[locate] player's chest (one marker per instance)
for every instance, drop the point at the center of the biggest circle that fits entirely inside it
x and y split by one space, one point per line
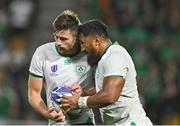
65 67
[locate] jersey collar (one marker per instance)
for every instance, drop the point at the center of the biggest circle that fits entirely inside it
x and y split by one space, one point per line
115 43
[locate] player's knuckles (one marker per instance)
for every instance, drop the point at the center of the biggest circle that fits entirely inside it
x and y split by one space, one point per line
53 112
64 97
51 109
67 100
63 102
60 113
75 86
54 116
65 106
60 118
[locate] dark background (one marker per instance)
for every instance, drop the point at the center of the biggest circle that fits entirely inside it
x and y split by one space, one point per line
148 29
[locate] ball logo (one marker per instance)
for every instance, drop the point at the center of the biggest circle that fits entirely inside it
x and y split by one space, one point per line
56 96
54 68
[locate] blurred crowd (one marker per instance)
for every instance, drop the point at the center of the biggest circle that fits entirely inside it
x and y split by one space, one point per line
148 29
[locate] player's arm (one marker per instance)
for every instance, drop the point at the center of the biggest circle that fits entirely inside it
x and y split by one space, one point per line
111 91
88 91
34 94
34 97
112 87
76 88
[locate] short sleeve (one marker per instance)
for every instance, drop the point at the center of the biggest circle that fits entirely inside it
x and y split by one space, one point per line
36 66
115 65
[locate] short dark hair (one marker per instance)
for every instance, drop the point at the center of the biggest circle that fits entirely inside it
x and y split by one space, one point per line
66 20
94 27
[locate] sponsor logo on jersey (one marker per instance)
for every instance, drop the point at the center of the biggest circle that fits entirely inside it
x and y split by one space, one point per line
67 61
80 69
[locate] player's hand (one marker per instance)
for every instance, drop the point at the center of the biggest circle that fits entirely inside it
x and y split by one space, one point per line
55 116
70 102
76 88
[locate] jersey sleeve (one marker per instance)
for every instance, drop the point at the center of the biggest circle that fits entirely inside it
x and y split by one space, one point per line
115 65
36 66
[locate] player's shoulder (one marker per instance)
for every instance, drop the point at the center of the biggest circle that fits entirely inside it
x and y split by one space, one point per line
114 51
45 47
116 48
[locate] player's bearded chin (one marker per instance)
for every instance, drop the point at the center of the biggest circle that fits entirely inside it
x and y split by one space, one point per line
93 58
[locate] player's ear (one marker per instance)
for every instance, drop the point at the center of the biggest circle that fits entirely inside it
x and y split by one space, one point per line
97 41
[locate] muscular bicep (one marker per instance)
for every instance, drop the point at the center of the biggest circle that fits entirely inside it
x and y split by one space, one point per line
113 86
109 94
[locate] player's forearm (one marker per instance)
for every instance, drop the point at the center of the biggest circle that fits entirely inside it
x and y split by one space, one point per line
100 99
38 104
88 92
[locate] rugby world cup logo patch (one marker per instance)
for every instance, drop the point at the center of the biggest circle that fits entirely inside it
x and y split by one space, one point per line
54 68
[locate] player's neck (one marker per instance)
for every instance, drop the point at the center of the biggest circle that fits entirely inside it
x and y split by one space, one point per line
104 46
71 53
75 51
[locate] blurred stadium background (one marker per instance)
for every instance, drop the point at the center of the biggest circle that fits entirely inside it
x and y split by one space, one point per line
148 29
